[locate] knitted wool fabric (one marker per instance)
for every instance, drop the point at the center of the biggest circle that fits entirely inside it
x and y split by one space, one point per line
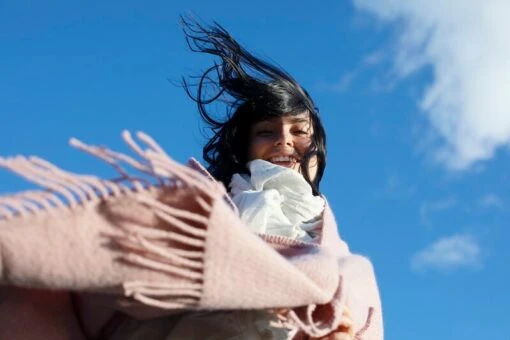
162 242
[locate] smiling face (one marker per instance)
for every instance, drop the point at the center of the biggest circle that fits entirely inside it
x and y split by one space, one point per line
283 141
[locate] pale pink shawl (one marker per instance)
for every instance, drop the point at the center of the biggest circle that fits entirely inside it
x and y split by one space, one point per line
163 241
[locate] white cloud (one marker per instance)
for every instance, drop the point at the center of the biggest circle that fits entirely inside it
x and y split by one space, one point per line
449 253
491 201
429 208
373 58
466 42
346 80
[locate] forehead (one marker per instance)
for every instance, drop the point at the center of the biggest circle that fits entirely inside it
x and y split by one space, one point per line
302 118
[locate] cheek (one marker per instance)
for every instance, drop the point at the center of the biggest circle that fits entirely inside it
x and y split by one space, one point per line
257 149
302 145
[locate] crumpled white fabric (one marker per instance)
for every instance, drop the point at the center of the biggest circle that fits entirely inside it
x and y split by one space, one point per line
276 200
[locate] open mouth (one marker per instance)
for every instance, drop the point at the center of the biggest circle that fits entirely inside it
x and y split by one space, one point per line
285 161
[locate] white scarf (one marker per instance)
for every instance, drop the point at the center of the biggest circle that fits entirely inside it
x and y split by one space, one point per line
276 200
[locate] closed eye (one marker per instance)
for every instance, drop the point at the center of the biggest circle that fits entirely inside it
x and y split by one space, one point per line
301 132
263 132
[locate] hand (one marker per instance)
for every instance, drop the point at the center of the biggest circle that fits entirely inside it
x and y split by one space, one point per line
345 330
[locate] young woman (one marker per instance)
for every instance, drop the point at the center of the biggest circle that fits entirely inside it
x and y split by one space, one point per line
256 93
269 150
269 117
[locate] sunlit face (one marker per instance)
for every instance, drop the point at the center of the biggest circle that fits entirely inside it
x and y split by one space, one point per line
283 141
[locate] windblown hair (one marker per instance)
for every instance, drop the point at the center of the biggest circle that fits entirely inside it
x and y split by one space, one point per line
253 90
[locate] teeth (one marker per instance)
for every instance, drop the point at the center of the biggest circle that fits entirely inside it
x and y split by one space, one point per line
282 159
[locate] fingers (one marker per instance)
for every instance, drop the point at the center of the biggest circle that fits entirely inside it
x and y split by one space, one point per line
345 330
346 325
341 336
336 336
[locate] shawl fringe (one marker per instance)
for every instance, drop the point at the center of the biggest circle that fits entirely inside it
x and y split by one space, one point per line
62 190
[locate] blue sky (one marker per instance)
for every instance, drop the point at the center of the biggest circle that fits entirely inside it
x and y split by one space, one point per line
412 96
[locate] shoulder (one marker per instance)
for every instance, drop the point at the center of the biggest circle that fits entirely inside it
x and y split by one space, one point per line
330 237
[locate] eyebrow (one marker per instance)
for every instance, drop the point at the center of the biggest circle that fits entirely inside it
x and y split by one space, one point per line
293 120
300 120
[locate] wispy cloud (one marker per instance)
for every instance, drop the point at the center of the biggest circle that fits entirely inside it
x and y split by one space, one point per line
427 209
343 84
373 58
467 45
397 186
491 201
349 77
449 253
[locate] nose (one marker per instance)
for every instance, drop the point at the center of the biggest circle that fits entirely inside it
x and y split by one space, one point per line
284 138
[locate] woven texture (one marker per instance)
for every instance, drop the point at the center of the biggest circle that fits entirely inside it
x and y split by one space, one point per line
162 241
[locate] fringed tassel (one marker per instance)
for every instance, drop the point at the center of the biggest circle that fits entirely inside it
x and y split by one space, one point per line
289 320
184 259
359 334
301 319
193 163
177 249
67 190
61 189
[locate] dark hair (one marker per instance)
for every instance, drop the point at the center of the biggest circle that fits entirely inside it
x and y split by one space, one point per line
253 90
